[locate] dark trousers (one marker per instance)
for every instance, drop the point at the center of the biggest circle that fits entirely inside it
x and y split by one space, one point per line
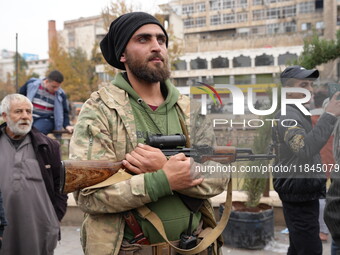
302 219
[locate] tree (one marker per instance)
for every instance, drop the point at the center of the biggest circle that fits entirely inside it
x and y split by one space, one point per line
22 68
6 87
317 51
79 72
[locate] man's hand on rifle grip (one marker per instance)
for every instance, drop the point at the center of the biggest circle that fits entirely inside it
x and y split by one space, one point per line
143 159
177 170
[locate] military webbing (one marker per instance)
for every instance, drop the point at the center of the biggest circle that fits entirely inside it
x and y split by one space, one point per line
146 213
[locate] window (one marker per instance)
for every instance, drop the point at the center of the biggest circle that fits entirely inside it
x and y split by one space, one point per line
306 7
188 23
215 20
242 3
289 11
241 61
242 17
264 60
306 26
286 59
180 65
257 2
221 79
200 22
188 8
200 7
71 37
219 62
289 27
264 78
242 79
319 25
228 18
273 28
259 15
273 13
227 4
215 4
243 31
198 63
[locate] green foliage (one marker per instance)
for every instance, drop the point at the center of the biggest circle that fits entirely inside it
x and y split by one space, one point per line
317 51
255 183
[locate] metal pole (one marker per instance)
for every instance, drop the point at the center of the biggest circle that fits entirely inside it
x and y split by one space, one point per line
16 64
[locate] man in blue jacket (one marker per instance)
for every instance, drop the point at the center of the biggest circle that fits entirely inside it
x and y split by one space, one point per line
50 107
298 146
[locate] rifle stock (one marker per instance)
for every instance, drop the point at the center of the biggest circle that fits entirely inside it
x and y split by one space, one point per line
79 174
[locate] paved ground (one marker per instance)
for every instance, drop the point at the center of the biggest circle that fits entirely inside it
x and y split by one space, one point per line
70 244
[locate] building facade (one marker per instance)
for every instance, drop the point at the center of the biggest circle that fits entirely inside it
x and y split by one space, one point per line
248 41
231 41
7 66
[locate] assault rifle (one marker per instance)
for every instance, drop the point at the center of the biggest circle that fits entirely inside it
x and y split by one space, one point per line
79 174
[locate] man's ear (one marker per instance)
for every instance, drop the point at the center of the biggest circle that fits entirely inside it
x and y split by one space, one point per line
122 58
4 116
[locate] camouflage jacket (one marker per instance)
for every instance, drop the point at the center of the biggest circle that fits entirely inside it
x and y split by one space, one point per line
105 130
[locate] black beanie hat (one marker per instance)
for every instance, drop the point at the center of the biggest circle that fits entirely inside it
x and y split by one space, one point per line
121 30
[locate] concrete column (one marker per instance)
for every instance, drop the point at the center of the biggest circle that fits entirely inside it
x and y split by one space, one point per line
252 61
232 79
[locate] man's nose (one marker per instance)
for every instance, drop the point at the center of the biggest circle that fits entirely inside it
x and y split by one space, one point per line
155 45
25 115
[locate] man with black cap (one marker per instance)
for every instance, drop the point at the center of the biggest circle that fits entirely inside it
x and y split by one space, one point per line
114 124
298 146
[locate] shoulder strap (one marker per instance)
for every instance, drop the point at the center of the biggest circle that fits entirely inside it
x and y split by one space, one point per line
146 213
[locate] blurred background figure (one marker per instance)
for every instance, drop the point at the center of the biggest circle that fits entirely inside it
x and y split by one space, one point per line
50 106
326 154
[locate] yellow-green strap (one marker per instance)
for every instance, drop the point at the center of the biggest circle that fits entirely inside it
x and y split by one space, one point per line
146 213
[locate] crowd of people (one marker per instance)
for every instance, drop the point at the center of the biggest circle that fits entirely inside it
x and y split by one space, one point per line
114 124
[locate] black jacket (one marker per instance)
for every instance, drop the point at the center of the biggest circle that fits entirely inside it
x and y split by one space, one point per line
3 221
48 155
298 150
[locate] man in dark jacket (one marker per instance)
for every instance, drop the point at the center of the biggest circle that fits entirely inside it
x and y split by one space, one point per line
30 163
300 182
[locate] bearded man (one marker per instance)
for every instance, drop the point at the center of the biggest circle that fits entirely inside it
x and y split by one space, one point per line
114 124
30 176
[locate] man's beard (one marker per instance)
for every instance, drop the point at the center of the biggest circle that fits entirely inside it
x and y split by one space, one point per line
17 129
149 74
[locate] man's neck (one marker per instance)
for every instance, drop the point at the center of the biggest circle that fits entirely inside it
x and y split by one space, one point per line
150 92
